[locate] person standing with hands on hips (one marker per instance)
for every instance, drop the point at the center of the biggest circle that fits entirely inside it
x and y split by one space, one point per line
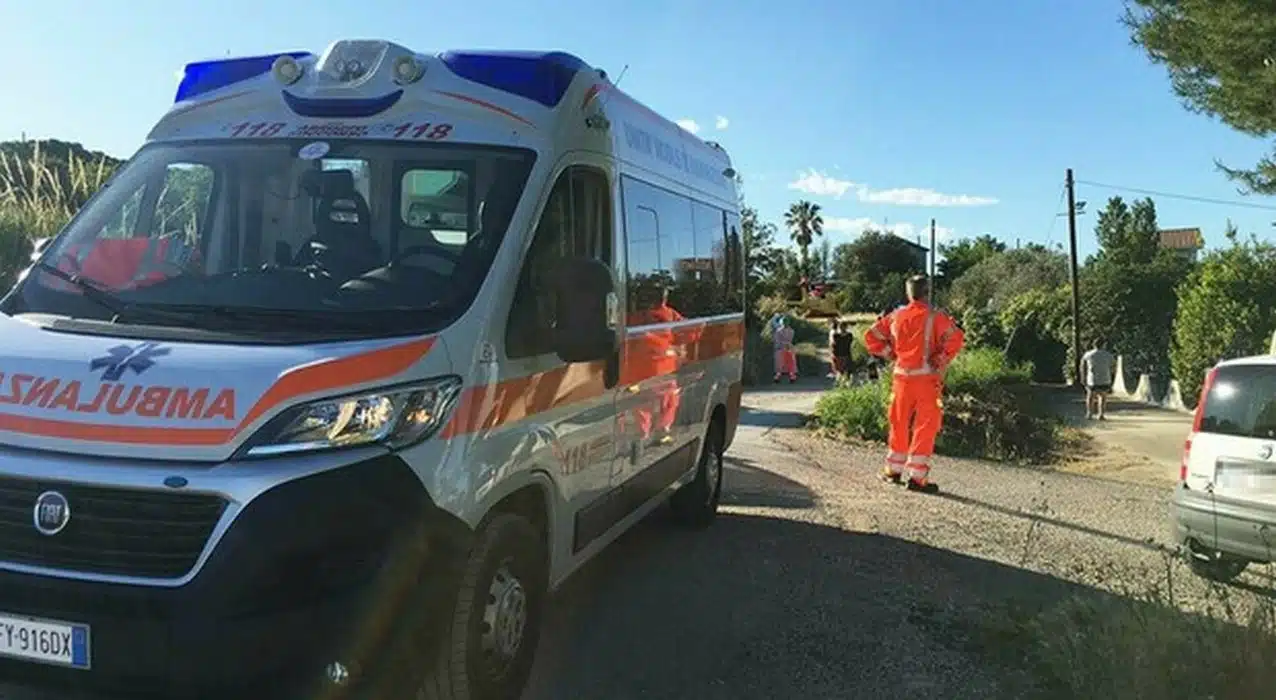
922 341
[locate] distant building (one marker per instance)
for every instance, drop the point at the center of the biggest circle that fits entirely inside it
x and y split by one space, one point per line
921 253
1187 241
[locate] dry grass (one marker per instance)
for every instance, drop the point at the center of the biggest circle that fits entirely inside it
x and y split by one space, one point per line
36 200
1141 639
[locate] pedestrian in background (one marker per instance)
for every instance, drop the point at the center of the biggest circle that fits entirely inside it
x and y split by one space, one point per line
785 355
1097 365
922 341
840 340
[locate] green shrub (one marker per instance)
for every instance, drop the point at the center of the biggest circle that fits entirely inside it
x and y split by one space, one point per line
38 194
810 362
857 411
987 411
1225 310
983 329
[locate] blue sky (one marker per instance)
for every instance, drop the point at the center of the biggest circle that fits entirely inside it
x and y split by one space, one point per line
876 108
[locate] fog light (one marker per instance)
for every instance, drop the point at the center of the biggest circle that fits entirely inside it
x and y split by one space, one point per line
337 673
287 70
407 70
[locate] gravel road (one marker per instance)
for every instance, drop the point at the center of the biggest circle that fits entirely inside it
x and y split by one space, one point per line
818 581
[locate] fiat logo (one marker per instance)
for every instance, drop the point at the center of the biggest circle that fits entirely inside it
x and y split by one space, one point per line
1265 452
52 513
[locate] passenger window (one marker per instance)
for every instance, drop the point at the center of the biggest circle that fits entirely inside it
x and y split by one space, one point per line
433 204
734 292
681 254
576 221
181 210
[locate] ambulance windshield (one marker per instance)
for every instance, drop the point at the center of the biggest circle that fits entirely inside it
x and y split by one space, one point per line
365 235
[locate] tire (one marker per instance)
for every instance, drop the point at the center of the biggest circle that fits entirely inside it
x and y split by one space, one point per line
695 505
499 606
1221 568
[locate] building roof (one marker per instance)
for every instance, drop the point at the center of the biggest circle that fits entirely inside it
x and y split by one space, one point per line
1181 238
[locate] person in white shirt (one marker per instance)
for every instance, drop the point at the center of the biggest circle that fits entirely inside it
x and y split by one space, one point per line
1097 365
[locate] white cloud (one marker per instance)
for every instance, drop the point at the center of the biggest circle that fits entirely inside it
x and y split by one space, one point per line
721 123
903 229
818 184
689 125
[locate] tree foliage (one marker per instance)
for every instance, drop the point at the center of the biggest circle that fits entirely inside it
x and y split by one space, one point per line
873 269
805 223
1127 290
1225 310
1221 59
961 256
997 279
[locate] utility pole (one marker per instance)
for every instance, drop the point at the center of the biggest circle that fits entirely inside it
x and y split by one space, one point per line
932 251
1072 270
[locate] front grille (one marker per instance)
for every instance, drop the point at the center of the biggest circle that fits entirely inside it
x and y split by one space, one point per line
123 532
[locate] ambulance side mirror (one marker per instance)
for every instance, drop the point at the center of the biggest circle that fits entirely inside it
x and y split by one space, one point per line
586 329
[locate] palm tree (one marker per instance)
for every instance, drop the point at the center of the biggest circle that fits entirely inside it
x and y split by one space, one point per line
805 223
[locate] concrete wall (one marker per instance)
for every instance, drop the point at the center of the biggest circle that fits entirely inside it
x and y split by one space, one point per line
1142 391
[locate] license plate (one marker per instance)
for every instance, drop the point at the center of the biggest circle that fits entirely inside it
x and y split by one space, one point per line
45 641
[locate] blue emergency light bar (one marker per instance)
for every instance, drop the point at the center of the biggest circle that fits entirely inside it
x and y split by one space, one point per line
537 75
205 76
541 76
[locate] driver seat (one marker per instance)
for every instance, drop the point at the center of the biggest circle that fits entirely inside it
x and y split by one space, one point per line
343 243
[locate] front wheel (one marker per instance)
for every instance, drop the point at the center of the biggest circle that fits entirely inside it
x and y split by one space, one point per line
489 641
695 505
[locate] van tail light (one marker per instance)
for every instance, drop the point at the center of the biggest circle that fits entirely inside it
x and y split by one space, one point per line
1187 455
1200 402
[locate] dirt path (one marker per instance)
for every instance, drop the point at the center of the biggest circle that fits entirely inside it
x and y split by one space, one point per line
818 581
1137 443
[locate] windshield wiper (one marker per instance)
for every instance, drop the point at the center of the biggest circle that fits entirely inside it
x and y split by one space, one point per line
91 291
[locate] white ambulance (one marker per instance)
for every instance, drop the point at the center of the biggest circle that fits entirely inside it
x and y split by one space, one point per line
350 366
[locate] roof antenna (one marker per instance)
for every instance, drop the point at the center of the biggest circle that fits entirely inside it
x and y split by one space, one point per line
616 84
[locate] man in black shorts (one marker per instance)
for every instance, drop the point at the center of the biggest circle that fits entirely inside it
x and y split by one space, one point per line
1097 365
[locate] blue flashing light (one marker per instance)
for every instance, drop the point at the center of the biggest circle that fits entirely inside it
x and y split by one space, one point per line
205 76
341 108
537 75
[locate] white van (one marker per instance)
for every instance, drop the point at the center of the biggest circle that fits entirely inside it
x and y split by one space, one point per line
1224 508
355 361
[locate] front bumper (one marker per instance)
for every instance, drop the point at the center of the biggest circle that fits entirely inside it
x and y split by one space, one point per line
1240 528
312 571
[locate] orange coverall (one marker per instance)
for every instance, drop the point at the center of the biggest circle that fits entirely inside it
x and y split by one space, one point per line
922 340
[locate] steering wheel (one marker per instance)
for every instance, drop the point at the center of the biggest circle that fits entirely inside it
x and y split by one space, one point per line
434 251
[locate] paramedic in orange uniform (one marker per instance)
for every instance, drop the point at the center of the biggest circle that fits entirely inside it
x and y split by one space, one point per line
922 341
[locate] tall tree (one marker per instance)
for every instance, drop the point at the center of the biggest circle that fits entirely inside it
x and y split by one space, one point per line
965 254
1221 58
761 257
804 222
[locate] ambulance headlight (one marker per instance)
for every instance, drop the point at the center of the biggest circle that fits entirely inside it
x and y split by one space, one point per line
407 70
394 417
287 70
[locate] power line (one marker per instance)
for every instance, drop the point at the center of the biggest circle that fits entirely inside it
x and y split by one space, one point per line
1054 215
1187 197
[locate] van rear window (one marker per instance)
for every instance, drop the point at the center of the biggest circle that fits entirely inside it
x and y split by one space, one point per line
1242 402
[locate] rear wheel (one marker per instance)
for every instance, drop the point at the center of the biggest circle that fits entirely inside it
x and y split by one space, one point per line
695 505
489 641
1219 567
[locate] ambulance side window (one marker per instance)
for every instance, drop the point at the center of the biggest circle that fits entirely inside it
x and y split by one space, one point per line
576 221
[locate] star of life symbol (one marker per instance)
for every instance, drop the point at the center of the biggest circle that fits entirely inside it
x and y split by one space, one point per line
122 358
